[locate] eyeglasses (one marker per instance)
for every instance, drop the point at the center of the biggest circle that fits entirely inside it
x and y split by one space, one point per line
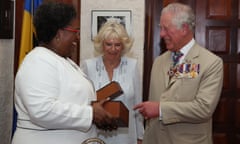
77 31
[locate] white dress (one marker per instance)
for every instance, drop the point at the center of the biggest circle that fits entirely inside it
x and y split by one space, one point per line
52 98
127 74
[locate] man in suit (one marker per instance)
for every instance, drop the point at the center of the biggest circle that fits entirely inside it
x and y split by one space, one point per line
183 94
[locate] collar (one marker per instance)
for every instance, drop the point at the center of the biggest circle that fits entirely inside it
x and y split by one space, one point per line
187 47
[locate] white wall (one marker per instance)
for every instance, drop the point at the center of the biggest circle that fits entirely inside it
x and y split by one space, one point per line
6 89
138 12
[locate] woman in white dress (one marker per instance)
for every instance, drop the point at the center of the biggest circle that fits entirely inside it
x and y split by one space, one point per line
52 94
113 42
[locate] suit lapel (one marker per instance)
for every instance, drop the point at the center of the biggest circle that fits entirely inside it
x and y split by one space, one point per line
189 58
166 68
166 78
192 54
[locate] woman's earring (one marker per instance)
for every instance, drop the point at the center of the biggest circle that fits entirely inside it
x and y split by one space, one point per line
57 39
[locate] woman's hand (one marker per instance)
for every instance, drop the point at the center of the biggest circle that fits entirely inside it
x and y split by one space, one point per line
103 119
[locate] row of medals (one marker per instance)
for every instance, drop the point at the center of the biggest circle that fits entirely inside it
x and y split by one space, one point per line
184 70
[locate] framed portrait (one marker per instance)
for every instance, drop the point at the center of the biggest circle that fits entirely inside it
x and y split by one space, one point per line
99 17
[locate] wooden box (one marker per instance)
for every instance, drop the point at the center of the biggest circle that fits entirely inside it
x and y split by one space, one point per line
119 111
116 108
109 91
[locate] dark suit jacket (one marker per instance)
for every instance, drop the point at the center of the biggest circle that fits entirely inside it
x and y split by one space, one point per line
187 104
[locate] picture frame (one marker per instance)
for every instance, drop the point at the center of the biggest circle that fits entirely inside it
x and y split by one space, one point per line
99 17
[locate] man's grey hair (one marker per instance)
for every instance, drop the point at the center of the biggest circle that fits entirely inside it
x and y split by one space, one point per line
182 14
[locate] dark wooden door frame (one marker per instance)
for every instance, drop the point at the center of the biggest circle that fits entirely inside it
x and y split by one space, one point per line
152 40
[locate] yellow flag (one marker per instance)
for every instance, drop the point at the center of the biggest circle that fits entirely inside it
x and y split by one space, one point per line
27 36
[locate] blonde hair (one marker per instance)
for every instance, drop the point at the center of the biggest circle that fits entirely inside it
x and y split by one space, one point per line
113 30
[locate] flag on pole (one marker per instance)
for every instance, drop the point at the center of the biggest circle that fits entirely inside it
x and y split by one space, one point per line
27 37
28 32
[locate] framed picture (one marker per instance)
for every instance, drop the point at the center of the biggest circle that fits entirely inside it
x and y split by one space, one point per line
99 17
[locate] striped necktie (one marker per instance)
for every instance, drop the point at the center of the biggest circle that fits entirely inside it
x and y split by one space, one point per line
176 57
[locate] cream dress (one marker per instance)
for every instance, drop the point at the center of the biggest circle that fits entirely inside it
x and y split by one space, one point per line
127 74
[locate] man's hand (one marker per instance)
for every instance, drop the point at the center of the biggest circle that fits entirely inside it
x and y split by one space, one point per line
148 109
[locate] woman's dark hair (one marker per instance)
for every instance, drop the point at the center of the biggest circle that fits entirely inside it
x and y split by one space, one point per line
50 17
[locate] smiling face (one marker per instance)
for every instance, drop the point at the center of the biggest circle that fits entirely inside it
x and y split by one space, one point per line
172 35
69 37
112 49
